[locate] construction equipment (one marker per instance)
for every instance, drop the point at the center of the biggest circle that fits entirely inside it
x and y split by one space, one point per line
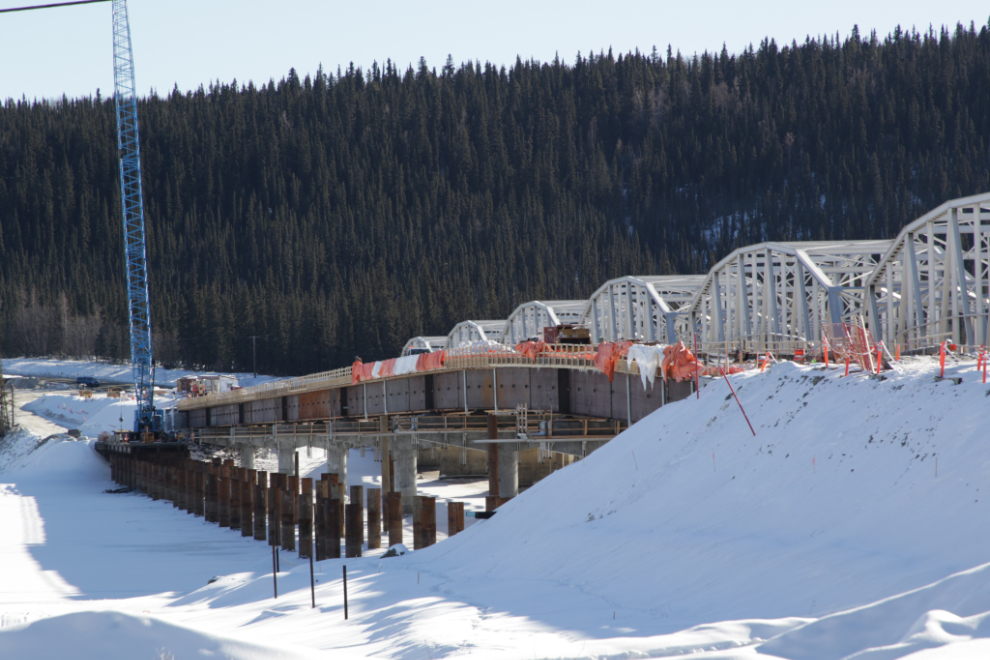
148 422
146 418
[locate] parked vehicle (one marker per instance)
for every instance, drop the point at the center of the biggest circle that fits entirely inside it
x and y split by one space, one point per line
87 381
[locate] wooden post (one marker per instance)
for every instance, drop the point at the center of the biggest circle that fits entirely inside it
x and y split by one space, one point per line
417 522
391 473
305 515
384 444
274 502
155 481
176 469
182 494
173 484
235 497
355 522
335 524
394 518
491 502
211 494
248 478
289 498
374 518
455 518
261 506
223 496
428 521
199 495
320 516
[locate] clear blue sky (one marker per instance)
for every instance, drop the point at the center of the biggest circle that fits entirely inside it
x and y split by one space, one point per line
48 53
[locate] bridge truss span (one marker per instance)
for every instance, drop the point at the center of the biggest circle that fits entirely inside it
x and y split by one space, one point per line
641 308
933 284
774 296
528 320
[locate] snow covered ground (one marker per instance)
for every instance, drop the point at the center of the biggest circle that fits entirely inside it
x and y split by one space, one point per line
106 372
830 534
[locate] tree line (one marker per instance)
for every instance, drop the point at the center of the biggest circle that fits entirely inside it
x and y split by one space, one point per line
342 213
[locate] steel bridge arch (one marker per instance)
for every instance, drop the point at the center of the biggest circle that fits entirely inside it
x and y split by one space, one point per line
639 307
932 284
423 344
467 332
528 320
768 293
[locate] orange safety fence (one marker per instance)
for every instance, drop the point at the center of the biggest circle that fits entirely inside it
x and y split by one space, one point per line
608 355
679 363
388 368
431 361
716 372
531 349
850 342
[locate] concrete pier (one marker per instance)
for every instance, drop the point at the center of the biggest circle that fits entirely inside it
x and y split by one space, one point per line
337 463
286 460
247 456
508 470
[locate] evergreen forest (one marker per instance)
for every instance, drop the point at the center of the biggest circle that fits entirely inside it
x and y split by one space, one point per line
342 213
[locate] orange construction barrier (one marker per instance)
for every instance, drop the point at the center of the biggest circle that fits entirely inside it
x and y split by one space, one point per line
531 349
608 354
431 361
679 363
388 368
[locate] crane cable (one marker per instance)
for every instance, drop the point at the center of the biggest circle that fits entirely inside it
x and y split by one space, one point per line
57 4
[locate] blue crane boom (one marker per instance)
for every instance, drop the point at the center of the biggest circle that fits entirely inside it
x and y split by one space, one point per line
146 418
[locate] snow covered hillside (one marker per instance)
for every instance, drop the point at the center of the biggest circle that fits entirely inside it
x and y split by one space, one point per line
106 372
852 523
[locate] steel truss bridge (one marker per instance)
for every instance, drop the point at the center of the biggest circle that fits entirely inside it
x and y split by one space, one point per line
929 285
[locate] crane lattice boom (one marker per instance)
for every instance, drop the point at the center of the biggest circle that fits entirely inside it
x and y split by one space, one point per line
125 98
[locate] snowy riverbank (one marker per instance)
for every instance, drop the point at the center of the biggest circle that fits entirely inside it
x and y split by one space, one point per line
827 534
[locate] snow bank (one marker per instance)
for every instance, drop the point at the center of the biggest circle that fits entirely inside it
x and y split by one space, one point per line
829 534
835 504
119 636
91 416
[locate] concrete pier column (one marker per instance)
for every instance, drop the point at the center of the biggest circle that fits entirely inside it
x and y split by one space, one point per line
508 471
405 471
247 456
287 460
337 463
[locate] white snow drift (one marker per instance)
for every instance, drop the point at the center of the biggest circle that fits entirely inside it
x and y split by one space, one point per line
829 534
